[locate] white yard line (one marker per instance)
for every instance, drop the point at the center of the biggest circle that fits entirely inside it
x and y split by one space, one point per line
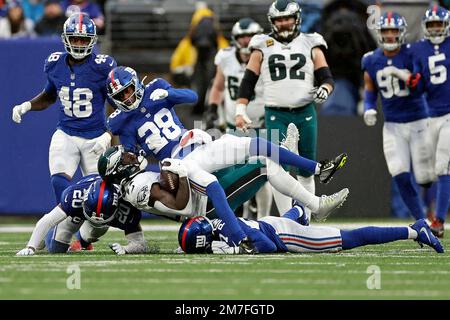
163 227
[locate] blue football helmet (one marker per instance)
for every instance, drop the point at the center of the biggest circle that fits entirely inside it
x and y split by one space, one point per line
281 9
79 26
391 21
244 27
436 32
101 202
196 235
119 79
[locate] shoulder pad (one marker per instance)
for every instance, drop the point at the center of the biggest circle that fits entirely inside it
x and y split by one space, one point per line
104 62
51 60
158 83
365 60
260 41
223 54
114 122
316 40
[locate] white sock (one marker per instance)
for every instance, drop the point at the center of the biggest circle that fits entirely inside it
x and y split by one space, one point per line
310 185
412 234
289 186
283 202
264 200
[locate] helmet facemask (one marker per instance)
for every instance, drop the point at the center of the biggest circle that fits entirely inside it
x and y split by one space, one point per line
79 35
245 27
118 166
126 97
385 41
98 211
436 31
285 9
78 52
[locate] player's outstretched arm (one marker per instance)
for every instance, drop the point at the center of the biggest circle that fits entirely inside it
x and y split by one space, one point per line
42 101
136 242
41 229
322 74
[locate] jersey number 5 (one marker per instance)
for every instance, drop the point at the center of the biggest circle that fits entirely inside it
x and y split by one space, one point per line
438 74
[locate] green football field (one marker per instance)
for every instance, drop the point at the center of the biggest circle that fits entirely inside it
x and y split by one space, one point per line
400 270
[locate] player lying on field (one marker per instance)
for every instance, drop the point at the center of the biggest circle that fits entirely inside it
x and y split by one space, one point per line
291 233
94 200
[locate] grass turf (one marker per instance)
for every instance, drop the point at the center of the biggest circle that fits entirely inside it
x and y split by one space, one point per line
407 272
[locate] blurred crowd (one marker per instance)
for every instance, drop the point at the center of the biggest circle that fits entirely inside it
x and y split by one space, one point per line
30 18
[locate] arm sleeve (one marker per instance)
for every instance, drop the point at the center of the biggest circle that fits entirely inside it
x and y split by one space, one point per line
370 100
44 225
177 96
260 240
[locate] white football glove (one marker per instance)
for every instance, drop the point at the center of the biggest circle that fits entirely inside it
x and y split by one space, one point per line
159 94
20 110
117 248
221 247
370 117
176 166
320 94
155 141
28 251
101 144
241 117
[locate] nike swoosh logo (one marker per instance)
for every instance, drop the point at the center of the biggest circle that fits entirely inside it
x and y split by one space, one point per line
112 62
426 233
308 118
65 199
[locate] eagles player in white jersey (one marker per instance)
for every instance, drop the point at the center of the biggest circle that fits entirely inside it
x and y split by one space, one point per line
231 63
295 74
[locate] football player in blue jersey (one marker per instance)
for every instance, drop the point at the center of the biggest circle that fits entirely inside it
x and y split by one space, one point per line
432 62
77 78
405 130
99 203
145 119
287 234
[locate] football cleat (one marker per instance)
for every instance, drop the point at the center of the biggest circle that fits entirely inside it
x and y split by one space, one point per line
329 168
76 246
425 236
437 228
327 204
290 142
246 246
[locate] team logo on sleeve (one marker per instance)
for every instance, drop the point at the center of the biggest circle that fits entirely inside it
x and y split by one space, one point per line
269 42
143 195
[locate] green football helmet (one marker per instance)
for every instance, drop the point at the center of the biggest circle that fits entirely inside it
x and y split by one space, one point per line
284 9
117 166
